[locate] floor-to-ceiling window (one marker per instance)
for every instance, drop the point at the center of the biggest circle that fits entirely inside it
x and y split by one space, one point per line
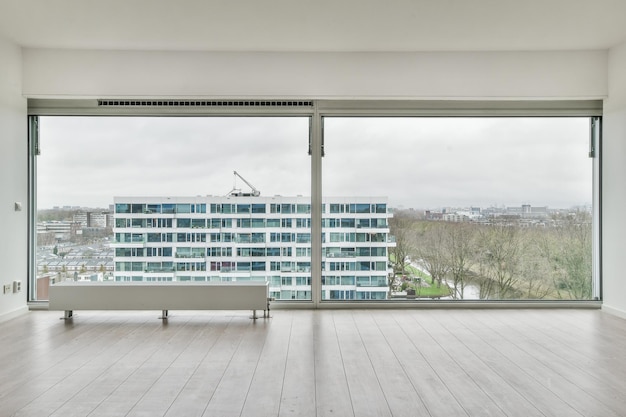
326 205
479 208
174 199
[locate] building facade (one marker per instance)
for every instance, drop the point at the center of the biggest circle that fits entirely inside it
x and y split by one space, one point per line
244 238
101 219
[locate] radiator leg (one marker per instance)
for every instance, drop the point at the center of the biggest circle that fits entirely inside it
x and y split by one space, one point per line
69 314
268 308
164 314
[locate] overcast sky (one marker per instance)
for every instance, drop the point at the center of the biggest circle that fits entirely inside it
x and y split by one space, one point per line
415 162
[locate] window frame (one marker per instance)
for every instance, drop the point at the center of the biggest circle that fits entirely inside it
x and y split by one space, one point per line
316 111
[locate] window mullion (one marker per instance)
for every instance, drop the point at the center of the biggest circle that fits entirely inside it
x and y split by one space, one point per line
316 207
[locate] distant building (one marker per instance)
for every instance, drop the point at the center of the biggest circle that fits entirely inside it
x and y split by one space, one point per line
81 218
250 238
97 219
527 211
455 217
433 215
50 232
62 227
539 212
101 219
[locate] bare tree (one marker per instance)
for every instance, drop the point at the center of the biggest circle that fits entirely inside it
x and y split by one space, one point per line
462 252
430 249
534 267
499 261
401 228
571 256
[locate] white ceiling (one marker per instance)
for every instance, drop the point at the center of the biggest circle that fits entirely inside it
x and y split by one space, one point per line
315 25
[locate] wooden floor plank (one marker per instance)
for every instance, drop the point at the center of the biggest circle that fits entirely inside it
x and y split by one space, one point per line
366 391
221 345
332 394
494 377
49 388
515 368
505 398
298 388
149 360
516 343
588 354
50 348
265 390
397 328
431 363
402 397
556 355
179 359
230 395
471 396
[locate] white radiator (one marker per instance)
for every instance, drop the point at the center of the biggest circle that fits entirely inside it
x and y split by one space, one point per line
70 295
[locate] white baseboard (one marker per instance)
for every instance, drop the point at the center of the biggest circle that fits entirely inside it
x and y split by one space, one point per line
614 311
12 314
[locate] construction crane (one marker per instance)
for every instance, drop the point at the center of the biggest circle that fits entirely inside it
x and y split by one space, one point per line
236 192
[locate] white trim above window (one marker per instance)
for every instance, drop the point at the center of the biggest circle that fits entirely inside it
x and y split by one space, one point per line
242 107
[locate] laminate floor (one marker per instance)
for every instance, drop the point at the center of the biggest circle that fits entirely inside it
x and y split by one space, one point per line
315 363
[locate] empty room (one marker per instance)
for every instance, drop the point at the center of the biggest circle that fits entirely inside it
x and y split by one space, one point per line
290 208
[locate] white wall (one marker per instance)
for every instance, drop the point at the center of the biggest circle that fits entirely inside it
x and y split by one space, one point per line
614 185
464 75
428 75
13 179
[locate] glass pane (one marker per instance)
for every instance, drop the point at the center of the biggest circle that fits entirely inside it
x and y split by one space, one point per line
157 199
458 208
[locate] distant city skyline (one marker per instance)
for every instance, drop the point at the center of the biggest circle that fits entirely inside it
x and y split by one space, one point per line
458 208
420 163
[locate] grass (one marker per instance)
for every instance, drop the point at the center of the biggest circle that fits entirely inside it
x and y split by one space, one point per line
432 290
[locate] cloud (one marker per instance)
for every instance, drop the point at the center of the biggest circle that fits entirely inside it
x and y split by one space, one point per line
416 162
84 158
462 161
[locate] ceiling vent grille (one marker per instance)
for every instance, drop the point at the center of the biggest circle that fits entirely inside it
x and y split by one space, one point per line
203 103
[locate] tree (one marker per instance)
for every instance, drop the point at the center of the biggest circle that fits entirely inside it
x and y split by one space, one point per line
534 269
499 261
570 254
461 253
400 226
430 249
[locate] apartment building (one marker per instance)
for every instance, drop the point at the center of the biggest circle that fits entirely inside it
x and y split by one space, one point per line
253 238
